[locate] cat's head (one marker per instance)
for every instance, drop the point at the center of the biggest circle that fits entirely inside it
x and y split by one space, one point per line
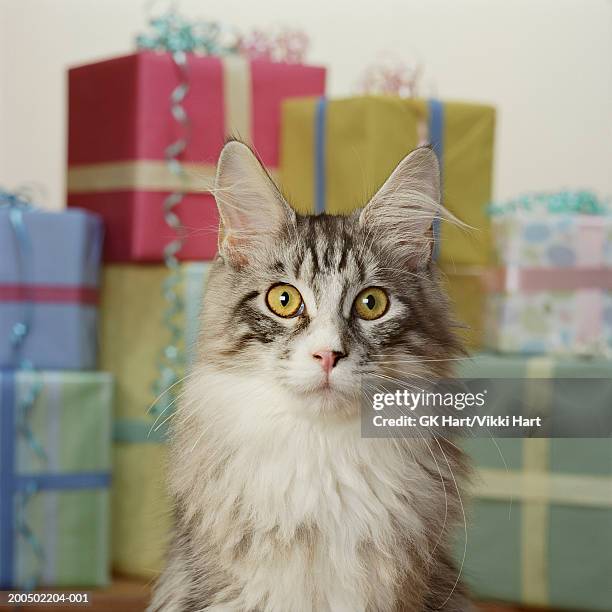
316 303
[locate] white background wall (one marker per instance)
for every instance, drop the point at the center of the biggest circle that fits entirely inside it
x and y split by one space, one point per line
546 65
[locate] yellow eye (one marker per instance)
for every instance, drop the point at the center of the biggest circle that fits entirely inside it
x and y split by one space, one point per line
371 303
285 301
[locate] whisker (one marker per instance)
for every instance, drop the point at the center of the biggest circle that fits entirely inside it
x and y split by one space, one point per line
464 524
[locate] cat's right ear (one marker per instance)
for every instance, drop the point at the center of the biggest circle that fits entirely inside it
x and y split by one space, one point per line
250 205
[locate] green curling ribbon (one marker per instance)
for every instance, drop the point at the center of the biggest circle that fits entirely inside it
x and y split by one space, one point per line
173 34
562 202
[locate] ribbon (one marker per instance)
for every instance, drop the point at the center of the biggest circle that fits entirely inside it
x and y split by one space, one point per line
514 279
19 333
16 206
392 78
173 34
13 509
288 45
436 138
320 161
562 202
50 294
578 490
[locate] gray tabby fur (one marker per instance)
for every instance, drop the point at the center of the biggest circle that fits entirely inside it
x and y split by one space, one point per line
280 505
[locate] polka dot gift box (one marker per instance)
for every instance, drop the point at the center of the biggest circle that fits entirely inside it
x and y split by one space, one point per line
552 291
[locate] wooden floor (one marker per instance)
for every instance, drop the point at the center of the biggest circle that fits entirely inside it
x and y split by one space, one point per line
132 596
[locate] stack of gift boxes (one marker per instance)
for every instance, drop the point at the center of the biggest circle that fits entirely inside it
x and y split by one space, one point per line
541 525
55 409
331 155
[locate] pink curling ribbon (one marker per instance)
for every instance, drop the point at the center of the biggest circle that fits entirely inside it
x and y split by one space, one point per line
393 78
287 45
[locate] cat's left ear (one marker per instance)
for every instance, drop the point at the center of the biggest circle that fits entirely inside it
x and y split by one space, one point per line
403 210
250 205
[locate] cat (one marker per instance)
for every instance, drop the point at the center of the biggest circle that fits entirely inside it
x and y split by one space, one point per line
281 505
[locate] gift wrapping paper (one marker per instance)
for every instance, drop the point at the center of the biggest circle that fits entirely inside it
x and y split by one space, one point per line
131 342
54 503
335 154
554 294
119 127
49 274
540 517
466 290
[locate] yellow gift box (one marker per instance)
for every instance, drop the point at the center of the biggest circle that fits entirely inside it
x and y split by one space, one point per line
336 153
467 290
132 341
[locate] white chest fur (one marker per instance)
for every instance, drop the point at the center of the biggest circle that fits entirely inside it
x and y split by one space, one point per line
303 512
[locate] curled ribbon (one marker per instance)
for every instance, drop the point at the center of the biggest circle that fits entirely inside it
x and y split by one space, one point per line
562 202
17 204
178 37
287 45
173 34
392 78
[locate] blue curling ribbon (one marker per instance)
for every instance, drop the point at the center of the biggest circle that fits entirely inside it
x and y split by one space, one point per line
19 332
175 35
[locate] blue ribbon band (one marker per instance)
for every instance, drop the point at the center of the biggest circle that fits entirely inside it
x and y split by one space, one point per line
63 480
320 158
7 474
11 482
436 138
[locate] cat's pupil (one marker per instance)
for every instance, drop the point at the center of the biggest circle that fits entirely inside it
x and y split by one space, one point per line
284 299
370 301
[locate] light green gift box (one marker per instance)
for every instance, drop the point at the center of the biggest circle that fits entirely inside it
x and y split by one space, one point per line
540 522
55 460
133 339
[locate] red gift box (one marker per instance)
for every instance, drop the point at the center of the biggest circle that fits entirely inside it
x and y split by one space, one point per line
119 126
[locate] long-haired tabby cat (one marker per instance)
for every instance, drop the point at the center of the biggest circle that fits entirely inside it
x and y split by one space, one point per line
281 505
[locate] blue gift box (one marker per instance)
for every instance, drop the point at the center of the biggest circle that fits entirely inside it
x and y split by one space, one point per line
49 276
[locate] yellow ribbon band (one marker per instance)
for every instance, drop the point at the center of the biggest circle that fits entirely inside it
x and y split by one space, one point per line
544 488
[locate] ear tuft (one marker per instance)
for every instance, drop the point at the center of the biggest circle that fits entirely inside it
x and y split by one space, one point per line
250 205
403 210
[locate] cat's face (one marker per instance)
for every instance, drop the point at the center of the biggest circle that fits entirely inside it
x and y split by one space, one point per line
317 303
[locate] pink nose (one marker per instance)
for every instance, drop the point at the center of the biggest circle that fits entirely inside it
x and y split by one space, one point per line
328 359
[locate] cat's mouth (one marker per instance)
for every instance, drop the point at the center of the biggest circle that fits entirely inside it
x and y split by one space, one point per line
327 390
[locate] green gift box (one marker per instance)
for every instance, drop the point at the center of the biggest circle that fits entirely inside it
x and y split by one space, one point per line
540 521
55 460
133 341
